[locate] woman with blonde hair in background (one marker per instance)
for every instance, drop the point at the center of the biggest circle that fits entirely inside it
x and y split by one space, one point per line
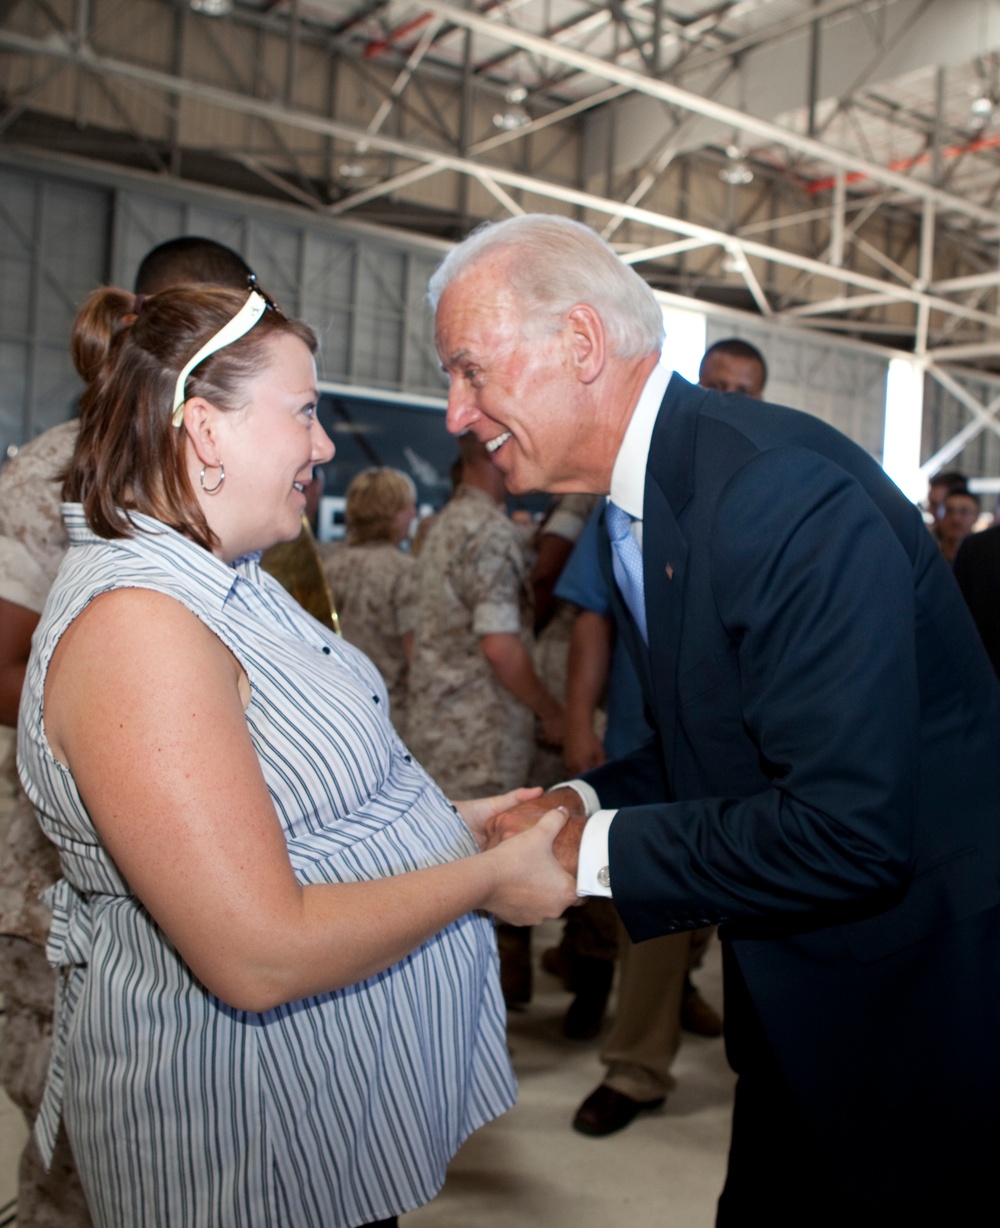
372 581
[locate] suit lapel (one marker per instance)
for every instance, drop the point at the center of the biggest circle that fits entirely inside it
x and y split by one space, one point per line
664 565
668 488
669 473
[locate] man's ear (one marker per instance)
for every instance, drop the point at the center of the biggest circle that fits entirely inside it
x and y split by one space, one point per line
201 422
588 342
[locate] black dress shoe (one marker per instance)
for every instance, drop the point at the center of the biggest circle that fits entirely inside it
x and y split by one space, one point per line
605 1111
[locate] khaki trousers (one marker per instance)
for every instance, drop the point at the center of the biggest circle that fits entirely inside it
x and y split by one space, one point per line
646 1032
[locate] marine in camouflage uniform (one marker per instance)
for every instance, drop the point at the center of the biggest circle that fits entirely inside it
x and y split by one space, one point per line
469 732
32 544
374 587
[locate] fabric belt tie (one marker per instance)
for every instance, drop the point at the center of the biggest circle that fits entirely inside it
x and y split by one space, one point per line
68 950
626 560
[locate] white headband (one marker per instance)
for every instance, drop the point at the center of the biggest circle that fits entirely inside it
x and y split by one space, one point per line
238 326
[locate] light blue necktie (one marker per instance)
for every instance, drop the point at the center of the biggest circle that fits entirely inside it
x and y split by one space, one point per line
626 559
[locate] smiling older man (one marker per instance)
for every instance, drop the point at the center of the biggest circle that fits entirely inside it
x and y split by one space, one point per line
824 781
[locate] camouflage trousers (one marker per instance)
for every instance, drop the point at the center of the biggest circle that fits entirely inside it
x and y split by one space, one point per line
52 1199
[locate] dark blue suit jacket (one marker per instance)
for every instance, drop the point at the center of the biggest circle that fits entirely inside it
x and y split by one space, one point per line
825 778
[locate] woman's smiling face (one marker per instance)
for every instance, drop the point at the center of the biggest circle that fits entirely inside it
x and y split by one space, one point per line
269 449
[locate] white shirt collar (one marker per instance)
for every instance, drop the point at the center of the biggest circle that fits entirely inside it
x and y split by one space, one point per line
628 478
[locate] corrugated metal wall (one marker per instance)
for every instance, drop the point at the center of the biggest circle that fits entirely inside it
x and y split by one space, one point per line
362 291
841 383
945 416
59 238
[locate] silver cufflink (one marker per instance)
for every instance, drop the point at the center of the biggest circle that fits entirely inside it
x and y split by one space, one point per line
604 877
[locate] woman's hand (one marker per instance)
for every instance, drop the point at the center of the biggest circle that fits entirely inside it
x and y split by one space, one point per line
530 885
478 812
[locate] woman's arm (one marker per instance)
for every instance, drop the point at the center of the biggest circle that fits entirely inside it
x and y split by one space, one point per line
145 705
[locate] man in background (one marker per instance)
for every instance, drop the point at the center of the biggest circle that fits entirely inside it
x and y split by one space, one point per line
732 365
957 520
977 570
939 488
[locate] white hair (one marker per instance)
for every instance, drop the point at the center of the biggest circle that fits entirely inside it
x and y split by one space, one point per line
555 263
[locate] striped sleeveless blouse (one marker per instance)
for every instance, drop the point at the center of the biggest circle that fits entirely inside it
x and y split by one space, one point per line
339 1109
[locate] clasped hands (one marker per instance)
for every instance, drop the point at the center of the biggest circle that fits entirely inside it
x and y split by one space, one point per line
526 813
538 872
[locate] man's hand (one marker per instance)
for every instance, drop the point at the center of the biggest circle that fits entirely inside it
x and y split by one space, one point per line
567 845
526 814
532 884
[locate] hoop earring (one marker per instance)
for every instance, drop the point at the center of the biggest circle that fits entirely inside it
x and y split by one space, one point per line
211 490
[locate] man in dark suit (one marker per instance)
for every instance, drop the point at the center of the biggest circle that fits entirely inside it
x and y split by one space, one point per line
824 781
977 570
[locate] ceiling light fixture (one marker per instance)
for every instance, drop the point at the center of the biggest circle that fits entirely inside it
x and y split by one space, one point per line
980 113
212 8
734 261
736 170
514 116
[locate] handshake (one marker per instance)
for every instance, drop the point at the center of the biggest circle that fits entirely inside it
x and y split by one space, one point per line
533 877
526 812
531 841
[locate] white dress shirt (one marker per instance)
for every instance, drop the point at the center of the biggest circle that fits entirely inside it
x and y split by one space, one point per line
628 489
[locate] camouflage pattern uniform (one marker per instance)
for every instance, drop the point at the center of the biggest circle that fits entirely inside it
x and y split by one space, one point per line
296 567
32 544
34 540
374 587
466 729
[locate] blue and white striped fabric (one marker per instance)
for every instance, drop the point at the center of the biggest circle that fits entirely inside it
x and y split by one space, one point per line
337 1110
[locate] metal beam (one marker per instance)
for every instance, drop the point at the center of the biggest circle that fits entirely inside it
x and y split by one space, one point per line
62 48
658 164
729 116
959 353
982 418
665 249
887 263
847 302
975 281
839 217
384 188
768 34
401 82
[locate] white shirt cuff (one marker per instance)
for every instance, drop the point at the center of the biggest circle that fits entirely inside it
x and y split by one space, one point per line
592 875
586 793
